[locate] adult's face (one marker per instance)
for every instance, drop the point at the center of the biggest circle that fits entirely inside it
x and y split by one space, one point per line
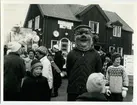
83 38
31 55
38 55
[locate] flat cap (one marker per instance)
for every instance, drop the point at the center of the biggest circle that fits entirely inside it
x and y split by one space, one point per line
81 26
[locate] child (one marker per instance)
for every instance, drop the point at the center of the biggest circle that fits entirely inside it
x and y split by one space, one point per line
117 79
95 86
35 87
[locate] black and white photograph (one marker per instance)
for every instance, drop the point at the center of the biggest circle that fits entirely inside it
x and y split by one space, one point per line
81 52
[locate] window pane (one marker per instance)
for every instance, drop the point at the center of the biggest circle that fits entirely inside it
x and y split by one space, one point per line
91 24
97 31
37 19
95 27
30 24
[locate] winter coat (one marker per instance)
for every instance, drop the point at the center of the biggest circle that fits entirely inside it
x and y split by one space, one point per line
47 70
80 65
14 71
59 60
93 96
35 89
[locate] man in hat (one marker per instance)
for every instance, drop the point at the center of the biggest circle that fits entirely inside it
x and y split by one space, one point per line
59 61
41 54
81 61
14 71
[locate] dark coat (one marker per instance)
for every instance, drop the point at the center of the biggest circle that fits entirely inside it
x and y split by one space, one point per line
94 96
35 89
14 71
79 66
59 60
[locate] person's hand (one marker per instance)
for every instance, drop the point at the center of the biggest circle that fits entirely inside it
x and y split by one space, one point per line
108 92
124 93
61 74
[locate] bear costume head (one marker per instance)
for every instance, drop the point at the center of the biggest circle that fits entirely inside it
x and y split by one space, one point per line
84 38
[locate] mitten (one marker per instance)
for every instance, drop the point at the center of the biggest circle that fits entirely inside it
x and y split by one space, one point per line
108 92
61 74
124 92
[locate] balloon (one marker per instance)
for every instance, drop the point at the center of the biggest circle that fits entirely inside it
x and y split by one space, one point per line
35 38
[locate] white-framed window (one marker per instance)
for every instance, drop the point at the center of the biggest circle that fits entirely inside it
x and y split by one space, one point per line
30 24
94 26
111 48
54 42
120 50
37 21
117 31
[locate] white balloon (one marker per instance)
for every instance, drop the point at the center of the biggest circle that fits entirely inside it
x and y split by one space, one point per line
36 38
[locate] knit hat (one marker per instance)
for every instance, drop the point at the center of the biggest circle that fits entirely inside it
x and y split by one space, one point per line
56 46
42 49
14 46
36 63
95 82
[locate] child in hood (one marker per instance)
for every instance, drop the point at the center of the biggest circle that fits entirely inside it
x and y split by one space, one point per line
35 87
95 87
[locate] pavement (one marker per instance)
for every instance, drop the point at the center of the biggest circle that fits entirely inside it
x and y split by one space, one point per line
63 93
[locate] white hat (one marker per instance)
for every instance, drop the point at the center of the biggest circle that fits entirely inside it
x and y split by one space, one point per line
14 46
56 46
95 82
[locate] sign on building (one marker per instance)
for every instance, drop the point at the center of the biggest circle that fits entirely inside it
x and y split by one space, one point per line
128 64
65 24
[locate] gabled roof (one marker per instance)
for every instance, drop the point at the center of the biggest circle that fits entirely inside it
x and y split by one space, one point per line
89 7
63 11
113 17
70 12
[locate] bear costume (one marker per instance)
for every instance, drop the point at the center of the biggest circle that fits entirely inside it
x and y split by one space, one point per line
81 61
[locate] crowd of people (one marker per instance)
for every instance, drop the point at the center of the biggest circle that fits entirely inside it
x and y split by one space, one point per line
37 74
32 76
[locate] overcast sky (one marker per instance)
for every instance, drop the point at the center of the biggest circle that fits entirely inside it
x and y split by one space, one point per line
15 14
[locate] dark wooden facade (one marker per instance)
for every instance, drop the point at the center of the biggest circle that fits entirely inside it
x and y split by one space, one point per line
48 24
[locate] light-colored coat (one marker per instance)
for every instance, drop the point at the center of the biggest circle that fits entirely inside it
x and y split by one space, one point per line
47 70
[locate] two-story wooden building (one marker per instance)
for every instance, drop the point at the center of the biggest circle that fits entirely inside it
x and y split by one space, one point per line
54 24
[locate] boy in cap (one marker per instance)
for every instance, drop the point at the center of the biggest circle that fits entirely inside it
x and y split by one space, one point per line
14 71
81 61
117 79
35 87
95 86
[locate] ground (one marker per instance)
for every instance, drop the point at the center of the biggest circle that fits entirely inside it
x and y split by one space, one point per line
63 93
